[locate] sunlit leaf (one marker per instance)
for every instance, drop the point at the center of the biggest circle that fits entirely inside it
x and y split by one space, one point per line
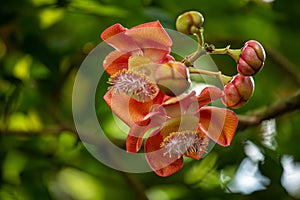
49 17
203 173
12 166
94 7
22 68
79 185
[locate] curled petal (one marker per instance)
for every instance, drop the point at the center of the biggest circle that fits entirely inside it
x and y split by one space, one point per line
150 35
209 94
162 165
152 39
177 106
115 61
158 55
219 124
149 39
116 37
128 109
112 30
137 131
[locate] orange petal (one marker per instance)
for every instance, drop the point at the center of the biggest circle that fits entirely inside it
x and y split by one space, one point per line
115 61
208 95
128 109
158 55
177 106
150 31
161 164
116 37
195 156
137 131
219 124
112 30
152 39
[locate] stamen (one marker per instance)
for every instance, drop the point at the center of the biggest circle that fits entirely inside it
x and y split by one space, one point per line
179 143
133 84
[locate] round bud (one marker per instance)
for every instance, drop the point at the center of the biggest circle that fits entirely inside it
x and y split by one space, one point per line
238 91
189 22
252 58
172 78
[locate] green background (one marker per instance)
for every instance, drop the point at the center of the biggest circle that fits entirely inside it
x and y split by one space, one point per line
42 45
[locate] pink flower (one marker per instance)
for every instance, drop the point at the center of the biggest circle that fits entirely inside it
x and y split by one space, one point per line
182 126
132 67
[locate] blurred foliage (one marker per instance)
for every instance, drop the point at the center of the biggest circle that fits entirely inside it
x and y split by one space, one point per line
42 44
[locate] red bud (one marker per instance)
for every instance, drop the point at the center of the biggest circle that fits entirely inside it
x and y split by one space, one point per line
252 58
238 91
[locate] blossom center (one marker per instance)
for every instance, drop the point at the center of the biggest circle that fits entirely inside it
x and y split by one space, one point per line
189 142
133 84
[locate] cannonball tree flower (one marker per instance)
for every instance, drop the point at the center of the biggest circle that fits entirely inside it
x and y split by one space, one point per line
139 53
182 126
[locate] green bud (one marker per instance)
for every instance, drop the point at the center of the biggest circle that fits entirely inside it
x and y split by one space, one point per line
189 22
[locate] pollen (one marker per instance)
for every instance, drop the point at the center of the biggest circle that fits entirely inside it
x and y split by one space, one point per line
179 143
134 84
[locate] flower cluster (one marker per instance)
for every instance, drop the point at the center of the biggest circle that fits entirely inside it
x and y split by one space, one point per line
182 126
149 91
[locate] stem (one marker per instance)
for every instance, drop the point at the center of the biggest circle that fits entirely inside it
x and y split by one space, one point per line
221 77
138 188
213 50
200 37
189 60
233 53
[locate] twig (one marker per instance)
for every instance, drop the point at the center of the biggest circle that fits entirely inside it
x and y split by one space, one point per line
57 91
287 65
59 129
135 185
276 109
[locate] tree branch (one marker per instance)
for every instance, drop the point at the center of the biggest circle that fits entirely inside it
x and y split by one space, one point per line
276 109
135 185
287 65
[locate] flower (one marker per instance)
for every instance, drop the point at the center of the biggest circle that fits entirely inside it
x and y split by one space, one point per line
180 126
132 66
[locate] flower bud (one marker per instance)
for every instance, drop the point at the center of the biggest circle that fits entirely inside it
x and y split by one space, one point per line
189 22
252 58
172 78
238 91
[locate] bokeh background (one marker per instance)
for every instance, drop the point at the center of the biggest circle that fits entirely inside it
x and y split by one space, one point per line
42 45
